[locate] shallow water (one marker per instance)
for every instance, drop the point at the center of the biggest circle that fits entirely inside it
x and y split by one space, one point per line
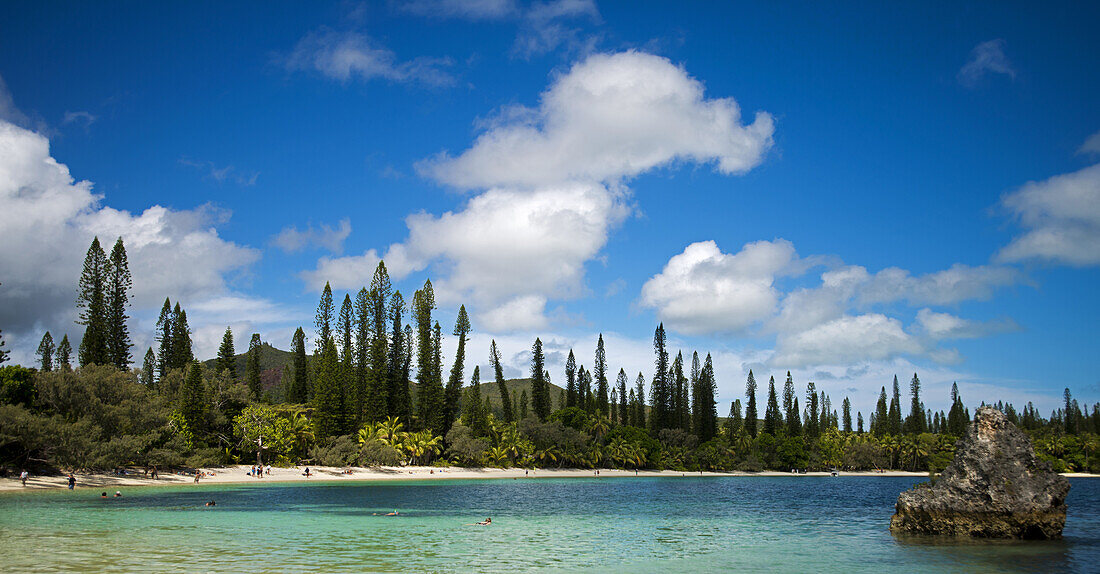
789 524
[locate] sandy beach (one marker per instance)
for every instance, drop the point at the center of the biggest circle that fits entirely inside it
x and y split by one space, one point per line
239 475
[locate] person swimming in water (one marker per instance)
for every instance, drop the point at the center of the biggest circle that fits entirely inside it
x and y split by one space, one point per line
118 493
487 522
211 503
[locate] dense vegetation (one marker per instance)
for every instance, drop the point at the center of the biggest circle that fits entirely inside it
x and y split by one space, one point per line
373 392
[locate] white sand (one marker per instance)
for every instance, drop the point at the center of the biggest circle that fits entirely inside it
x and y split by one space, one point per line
238 475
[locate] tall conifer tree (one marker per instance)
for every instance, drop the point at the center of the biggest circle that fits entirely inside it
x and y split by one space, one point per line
118 284
92 301
893 424
164 338
380 385
64 354
599 369
498 373
660 396
227 356
453 391
299 391
181 355
706 418
45 353
397 383
916 423
322 321
812 428
639 395
620 382
540 389
372 405
328 408
193 399
571 393
846 409
252 367
880 420
149 368
772 419
750 408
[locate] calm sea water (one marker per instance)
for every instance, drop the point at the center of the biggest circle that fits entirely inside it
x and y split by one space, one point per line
792 524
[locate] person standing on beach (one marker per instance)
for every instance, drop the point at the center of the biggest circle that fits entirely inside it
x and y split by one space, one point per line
72 481
23 476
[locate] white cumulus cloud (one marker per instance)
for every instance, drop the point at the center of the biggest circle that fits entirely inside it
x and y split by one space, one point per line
1061 216
703 290
549 184
612 116
47 221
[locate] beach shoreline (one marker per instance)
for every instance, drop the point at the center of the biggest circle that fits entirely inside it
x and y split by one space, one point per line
330 475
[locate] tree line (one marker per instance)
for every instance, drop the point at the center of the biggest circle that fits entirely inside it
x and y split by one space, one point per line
372 389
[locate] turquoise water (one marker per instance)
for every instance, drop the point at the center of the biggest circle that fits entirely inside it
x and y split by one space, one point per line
791 524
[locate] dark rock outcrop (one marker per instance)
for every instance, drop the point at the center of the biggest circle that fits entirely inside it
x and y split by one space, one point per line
995 488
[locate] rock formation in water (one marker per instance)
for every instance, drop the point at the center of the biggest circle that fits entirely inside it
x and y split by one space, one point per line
995 488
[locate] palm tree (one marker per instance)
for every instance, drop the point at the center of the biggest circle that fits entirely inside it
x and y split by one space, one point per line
598 426
550 453
390 431
498 456
369 433
301 431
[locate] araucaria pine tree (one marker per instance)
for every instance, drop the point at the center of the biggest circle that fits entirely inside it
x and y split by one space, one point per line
639 397
63 356
323 320
227 355
750 408
92 301
812 428
328 407
397 363
380 371
498 373
373 405
620 382
599 369
429 390
894 414
772 419
181 355
790 407
540 389
880 419
660 395
735 424
299 390
117 298
473 410
705 423
193 399
149 368
916 423
571 393
846 409
45 353
452 393
344 337
252 367
164 338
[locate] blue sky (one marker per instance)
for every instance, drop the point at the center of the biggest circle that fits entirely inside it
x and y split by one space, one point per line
844 192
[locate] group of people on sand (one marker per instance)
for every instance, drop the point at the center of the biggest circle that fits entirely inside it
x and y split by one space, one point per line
259 471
